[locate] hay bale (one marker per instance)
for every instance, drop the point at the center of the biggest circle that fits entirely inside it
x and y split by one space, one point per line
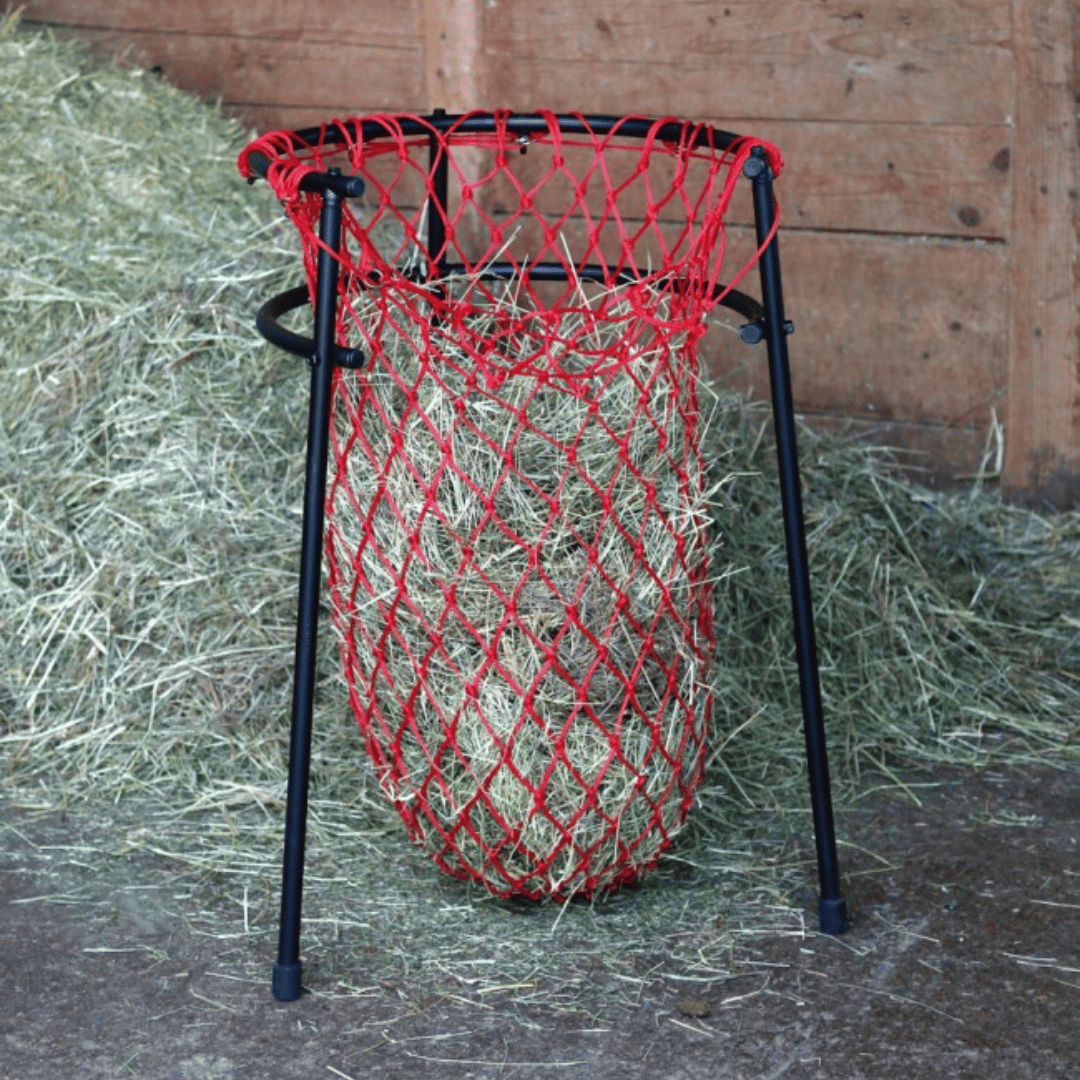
519 551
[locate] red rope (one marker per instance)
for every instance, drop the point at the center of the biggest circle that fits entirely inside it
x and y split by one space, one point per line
647 210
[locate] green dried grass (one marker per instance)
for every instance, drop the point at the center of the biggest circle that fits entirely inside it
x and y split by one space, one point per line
151 455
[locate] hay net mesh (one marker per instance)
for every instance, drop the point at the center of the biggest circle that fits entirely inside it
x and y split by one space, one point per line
516 516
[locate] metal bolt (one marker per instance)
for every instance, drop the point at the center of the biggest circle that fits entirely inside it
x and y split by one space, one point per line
754 165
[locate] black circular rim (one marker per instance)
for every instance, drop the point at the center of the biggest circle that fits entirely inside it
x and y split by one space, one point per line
520 124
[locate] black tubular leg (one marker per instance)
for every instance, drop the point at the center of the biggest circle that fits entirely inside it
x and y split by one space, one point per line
832 907
286 979
439 169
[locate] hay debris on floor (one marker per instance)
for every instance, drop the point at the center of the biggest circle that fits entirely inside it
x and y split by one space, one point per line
151 454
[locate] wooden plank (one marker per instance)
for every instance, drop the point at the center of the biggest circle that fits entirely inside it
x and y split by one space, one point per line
885 329
937 456
390 24
451 54
264 118
938 180
264 71
1043 425
782 59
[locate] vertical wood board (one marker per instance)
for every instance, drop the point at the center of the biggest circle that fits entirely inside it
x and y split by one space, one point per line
1043 426
452 55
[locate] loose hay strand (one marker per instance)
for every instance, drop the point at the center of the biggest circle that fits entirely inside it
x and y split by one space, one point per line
151 453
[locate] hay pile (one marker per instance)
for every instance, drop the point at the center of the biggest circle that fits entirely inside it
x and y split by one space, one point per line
150 479
148 449
539 752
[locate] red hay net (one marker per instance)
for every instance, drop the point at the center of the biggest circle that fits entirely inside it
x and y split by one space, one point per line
517 517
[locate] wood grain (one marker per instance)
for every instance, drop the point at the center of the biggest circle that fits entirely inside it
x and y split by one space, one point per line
265 71
938 180
452 54
884 330
390 24
1043 425
785 59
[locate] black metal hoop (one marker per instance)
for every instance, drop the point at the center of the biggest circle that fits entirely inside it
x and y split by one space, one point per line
268 316
523 125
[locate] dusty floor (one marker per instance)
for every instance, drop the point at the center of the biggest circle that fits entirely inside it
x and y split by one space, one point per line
963 962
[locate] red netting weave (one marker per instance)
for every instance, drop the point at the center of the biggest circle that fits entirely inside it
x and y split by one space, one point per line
517 516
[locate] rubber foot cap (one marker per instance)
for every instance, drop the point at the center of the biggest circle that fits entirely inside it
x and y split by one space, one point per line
833 915
286 982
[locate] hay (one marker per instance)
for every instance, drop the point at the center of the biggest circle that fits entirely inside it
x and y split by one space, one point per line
560 481
151 457
946 624
147 436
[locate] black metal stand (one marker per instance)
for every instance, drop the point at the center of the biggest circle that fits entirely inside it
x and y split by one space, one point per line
832 907
765 320
286 980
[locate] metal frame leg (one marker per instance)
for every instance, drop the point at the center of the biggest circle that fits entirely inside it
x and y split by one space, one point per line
287 969
832 907
439 170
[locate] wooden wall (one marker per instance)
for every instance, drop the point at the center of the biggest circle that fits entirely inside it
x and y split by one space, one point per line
931 201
